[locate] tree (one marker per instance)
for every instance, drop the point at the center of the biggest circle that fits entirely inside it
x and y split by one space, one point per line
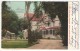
5 18
22 23
60 9
37 13
29 24
5 15
20 34
9 19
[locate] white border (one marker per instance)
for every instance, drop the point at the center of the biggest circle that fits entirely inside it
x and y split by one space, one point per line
31 49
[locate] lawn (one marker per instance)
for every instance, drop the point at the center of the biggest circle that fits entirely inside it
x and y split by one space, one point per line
15 44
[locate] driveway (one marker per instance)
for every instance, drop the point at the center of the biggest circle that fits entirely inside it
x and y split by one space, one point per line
48 44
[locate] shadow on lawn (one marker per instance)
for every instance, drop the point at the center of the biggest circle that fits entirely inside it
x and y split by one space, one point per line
15 44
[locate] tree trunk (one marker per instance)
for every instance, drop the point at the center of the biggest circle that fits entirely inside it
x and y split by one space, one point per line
29 24
29 33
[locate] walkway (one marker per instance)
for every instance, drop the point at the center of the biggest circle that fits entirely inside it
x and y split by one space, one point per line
48 44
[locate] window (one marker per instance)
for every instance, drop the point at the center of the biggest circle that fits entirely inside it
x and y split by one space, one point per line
46 31
53 32
50 31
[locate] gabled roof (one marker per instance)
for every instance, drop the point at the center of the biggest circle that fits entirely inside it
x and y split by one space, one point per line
54 27
34 18
40 18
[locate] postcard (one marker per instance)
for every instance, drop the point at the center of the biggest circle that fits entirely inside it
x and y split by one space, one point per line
40 25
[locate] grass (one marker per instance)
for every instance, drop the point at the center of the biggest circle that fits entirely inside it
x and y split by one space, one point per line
15 44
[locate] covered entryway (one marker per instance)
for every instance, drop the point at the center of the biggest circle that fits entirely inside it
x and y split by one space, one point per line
50 33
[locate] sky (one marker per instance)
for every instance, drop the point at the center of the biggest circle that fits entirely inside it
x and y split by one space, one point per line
19 7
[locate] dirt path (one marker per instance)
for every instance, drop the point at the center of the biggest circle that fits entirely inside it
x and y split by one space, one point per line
48 44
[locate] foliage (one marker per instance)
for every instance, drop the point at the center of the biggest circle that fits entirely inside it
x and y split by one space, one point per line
22 24
60 9
3 33
37 13
35 36
5 15
10 20
20 34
